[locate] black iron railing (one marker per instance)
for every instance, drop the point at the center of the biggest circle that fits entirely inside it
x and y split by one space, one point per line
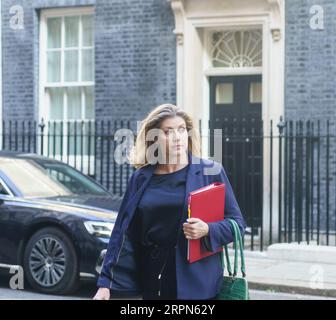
284 178
283 174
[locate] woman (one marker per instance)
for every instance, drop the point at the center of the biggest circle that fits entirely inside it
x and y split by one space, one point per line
147 251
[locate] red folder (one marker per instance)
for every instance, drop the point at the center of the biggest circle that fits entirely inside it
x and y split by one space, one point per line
207 204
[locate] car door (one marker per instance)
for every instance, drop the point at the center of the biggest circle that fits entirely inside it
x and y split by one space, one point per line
4 220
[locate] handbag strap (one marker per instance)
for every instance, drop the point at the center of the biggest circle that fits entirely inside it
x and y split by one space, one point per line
237 241
226 251
227 260
241 247
236 245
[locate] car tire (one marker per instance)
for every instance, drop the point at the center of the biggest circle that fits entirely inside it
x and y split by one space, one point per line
50 262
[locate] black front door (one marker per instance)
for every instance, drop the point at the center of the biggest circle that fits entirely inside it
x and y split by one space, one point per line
235 107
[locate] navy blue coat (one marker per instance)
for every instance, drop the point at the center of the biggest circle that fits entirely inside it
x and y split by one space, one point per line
198 280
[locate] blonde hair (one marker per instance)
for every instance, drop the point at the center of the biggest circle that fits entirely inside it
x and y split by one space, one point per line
138 154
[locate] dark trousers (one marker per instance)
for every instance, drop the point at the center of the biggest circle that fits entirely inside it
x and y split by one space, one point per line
155 261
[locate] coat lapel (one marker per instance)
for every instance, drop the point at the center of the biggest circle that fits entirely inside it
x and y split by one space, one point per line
192 183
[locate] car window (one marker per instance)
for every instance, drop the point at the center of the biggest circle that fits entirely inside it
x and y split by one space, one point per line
72 180
44 178
3 189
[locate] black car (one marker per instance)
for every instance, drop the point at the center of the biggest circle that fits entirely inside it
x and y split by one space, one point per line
55 222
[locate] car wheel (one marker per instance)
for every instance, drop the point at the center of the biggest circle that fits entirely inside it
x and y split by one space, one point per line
50 262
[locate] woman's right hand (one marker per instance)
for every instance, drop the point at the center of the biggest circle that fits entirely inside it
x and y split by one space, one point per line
102 294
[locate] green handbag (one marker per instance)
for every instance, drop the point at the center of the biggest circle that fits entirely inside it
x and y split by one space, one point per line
233 287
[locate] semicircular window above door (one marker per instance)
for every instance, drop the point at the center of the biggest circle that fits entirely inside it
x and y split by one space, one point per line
236 49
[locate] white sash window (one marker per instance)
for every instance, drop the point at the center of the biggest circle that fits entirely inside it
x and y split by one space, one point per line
67 77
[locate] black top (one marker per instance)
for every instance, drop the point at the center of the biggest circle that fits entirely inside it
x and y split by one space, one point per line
159 211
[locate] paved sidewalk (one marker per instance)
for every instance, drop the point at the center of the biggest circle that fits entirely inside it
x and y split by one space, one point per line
293 268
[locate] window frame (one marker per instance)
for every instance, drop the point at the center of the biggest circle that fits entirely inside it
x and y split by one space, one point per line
210 70
43 84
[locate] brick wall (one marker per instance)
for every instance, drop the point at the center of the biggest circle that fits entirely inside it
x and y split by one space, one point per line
134 53
310 62
310 91
135 57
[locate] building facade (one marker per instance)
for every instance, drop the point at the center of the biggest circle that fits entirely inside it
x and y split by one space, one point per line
246 61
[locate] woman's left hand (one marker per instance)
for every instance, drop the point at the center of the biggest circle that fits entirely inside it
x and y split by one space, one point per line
195 228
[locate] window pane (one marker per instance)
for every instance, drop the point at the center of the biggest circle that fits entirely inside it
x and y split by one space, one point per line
89 114
237 49
74 104
89 102
54 32
55 137
71 65
56 112
71 31
87 64
255 92
76 130
3 189
224 93
56 103
54 66
87 22
89 138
